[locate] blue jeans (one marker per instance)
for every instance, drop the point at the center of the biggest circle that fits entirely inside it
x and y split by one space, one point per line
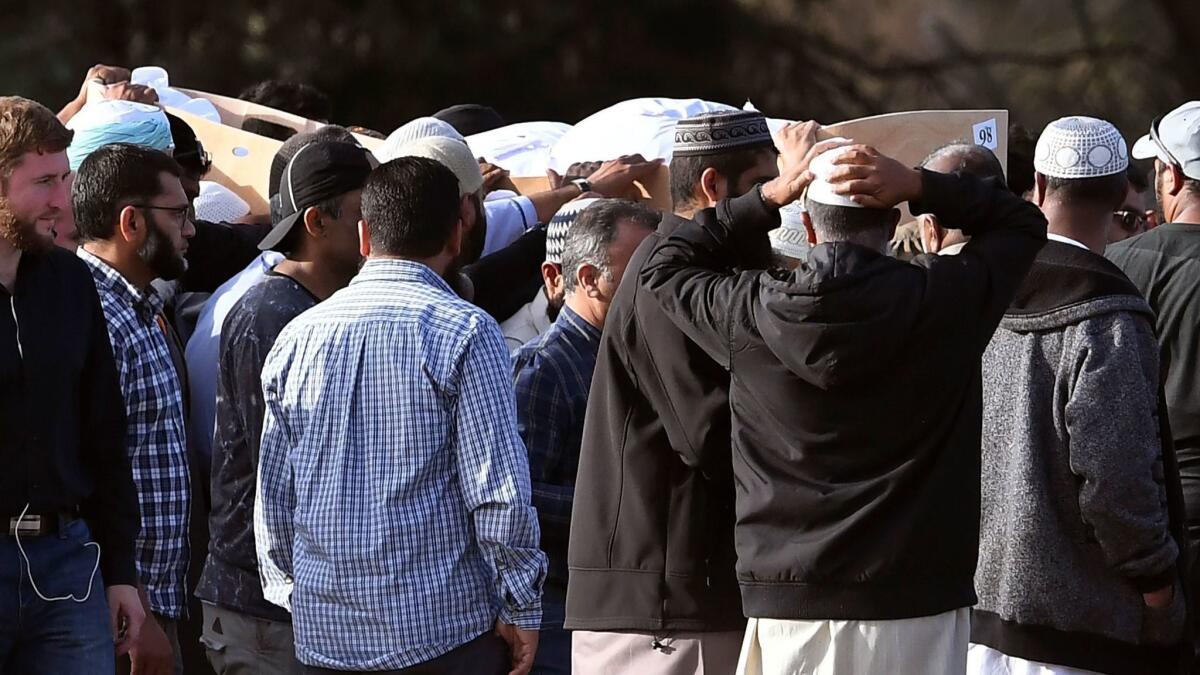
59 638
554 644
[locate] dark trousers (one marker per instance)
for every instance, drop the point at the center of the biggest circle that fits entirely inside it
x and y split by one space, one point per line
59 638
485 655
554 644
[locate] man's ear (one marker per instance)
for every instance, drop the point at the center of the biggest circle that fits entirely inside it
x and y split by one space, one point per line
552 279
931 233
1174 180
713 186
587 277
893 221
312 222
364 239
808 227
467 213
1039 189
454 243
131 225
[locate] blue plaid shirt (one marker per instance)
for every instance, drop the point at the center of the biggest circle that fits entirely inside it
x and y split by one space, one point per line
155 433
393 512
552 375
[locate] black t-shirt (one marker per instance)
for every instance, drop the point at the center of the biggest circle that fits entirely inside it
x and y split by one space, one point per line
1164 264
230 577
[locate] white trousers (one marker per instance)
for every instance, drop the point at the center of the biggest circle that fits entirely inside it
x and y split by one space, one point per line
983 660
928 645
634 653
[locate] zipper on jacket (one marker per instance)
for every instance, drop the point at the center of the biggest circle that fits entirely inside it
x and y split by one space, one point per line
12 305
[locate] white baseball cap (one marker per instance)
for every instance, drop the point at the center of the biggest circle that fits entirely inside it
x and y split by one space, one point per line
1174 138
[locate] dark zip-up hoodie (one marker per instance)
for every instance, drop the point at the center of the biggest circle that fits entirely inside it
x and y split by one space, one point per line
855 393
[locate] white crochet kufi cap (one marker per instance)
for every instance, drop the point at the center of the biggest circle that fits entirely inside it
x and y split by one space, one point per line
1080 147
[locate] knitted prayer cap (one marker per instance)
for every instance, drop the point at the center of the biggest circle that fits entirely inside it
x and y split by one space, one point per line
422 127
790 238
452 154
556 230
1080 147
720 132
219 204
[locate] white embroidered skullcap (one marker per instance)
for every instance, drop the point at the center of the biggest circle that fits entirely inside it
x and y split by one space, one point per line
820 190
556 229
219 204
791 238
422 127
452 154
1080 147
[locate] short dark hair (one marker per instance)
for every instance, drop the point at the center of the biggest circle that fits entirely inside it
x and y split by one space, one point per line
189 152
840 223
595 229
686 171
262 127
297 98
111 178
410 205
1021 146
1138 178
971 159
1106 192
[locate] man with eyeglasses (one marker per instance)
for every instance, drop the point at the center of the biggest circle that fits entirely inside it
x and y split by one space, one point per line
1133 218
1165 264
134 220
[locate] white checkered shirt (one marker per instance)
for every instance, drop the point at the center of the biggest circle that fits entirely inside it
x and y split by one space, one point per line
155 434
393 511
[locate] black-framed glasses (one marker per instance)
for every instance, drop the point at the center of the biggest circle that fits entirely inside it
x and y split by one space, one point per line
1130 220
183 214
1158 142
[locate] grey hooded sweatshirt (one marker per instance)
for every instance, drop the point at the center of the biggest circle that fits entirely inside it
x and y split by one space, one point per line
1075 523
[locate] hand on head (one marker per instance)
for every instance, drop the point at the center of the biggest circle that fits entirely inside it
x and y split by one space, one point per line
873 179
798 146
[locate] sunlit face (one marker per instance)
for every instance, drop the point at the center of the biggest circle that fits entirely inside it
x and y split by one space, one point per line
33 200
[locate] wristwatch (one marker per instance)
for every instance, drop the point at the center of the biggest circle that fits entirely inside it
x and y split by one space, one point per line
583 185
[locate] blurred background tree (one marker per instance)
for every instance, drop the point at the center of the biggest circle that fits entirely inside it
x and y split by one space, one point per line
383 62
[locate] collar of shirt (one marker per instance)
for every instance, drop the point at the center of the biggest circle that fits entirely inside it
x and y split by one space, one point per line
148 303
571 320
395 269
1065 240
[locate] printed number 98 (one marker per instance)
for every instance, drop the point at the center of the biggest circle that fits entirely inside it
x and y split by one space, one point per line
985 136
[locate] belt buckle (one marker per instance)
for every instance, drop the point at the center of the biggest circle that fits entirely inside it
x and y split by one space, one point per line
27 525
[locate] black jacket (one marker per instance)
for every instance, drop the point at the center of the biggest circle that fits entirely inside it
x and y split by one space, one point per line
856 404
651 545
62 415
1164 264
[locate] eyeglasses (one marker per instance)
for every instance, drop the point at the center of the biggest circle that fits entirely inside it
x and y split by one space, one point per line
183 214
1158 142
202 158
1130 221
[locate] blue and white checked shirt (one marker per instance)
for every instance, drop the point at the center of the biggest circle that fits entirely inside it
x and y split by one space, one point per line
393 510
155 438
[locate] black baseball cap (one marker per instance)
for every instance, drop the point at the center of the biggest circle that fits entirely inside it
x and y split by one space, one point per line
320 170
